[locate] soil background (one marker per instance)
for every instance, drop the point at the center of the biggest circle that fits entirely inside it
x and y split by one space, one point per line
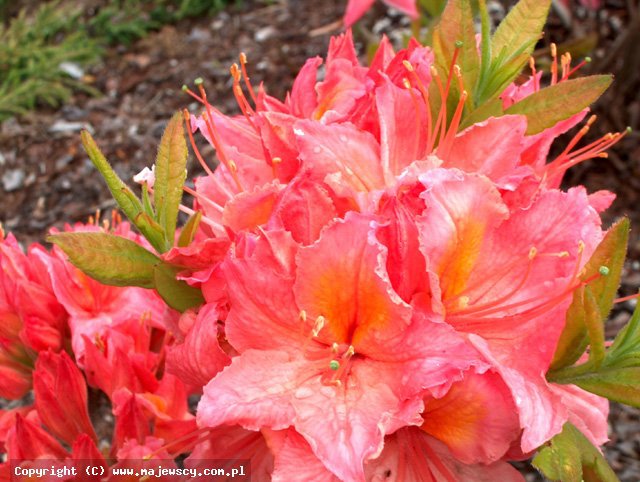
47 180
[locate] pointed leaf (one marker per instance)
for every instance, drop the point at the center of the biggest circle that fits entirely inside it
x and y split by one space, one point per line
170 173
176 293
595 328
109 259
573 340
520 30
125 198
570 457
617 384
189 230
555 103
626 346
611 252
493 108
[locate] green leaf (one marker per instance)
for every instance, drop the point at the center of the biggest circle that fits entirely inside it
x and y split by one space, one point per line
126 199
618 376
621 384
519 32
626 346
109 259
570 457
170 174
611 252
555 103
189 230
573 339
493 108
595 328
176 293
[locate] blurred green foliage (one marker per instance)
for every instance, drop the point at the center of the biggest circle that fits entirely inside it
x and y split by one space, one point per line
31 52
34 46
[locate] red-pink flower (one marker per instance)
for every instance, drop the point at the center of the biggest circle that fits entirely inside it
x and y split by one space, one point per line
338 354
61 397
357 8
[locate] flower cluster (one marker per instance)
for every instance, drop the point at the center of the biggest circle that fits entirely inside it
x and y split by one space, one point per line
383 288
393 290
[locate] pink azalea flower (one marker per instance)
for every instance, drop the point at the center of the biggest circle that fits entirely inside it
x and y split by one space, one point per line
26 328
327 364
61 397
343 212
357 8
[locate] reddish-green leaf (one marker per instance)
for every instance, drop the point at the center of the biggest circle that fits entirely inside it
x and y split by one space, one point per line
170 173
570 457
176 293
126 199
110 259
555 103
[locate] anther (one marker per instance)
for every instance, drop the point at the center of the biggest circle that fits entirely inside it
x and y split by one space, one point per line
303 316
199 81
319 324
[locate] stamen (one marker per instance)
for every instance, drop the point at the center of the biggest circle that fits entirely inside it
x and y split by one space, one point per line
318 326
243 66
579 66
334 365
425 96
187 120
534 77
593 150
626 298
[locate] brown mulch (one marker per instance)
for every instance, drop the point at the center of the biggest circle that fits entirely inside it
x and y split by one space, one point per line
47 180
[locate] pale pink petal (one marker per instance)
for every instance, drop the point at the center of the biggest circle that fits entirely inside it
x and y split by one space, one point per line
342 278
304 208
339 92
403 131
476 419
355 10
303 99
229 445
541 411
491 147
255 391
343 149
461 211
199 358
274 311
588 412
410 455
294 460
250 209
